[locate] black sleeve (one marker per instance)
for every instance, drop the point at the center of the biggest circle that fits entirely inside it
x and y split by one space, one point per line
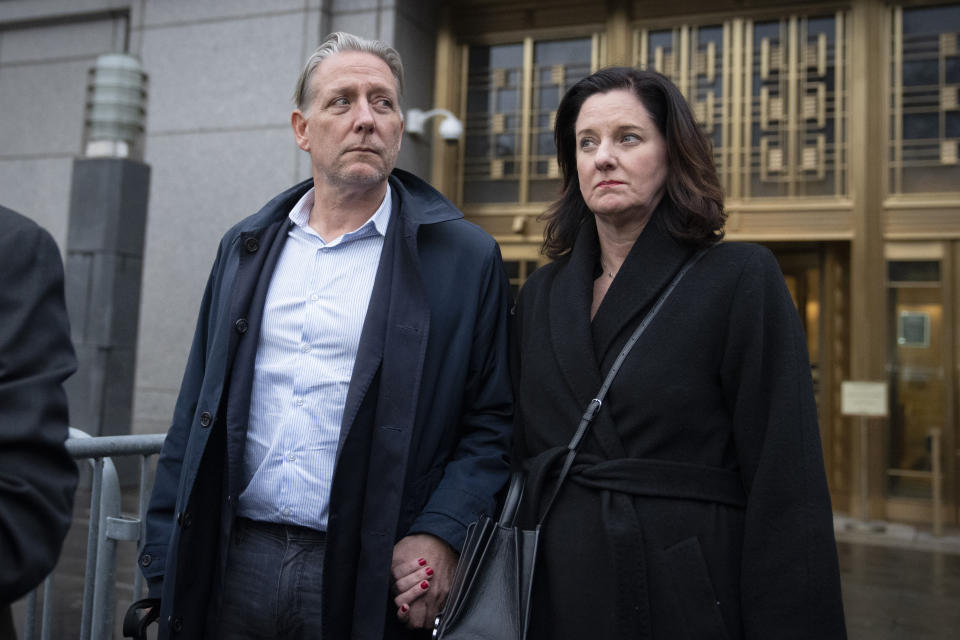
37 476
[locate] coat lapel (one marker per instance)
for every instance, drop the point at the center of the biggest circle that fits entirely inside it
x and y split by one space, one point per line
570 296
584 348
654 259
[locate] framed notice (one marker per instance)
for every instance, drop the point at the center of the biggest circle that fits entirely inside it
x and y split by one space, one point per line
913 329
863 398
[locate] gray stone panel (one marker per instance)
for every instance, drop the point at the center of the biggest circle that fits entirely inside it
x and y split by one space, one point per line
210 76
178 12
40 190
347 6
102 297
153 409
118 391
417 47
53 42
85 388
386 28
20 10
202 184
361 23
422 12
42 107
108 201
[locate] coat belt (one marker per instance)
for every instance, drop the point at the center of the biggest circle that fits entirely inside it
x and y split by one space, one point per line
620 480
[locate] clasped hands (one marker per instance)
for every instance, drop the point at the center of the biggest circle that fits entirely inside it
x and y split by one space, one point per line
422 570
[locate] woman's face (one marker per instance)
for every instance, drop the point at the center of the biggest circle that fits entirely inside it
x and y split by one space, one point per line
621 157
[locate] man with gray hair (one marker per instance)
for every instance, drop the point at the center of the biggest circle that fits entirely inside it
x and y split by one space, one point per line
345 411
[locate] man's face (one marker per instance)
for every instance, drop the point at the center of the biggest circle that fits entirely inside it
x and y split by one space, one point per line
353 124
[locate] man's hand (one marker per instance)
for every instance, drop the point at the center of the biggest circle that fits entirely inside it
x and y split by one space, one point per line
422 570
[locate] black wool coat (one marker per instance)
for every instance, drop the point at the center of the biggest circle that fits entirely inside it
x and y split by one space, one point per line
698 505
37 476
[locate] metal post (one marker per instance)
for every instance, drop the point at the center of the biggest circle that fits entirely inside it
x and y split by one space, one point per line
103 600
937 481
105 528
46 624
864 472
138 586
30 623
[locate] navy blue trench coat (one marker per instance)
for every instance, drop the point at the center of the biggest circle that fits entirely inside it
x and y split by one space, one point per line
426 425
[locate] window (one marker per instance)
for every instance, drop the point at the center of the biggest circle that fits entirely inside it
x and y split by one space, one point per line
770 95
925 100
512 94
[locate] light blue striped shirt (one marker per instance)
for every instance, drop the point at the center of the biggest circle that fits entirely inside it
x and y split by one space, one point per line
312 319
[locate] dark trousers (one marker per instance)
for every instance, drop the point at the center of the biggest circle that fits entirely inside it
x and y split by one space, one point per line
273 583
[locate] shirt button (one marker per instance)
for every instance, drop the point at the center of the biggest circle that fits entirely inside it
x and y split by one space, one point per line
291 457
287 511
305 348
299 402
315 297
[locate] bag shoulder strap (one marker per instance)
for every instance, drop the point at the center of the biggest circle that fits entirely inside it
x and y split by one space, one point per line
594 406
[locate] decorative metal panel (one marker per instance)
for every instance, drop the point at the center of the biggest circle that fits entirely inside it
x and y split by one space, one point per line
770 95
512 94
925 100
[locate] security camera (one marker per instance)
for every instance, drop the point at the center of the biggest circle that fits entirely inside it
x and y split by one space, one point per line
451 129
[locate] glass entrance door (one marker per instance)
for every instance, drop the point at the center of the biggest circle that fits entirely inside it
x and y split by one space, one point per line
918 365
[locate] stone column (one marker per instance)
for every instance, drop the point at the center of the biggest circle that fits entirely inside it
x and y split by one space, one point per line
108 213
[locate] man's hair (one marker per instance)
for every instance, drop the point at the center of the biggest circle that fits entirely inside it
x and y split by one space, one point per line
339 42
692 187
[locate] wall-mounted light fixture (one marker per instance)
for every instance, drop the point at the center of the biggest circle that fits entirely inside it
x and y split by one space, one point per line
116 107
450 129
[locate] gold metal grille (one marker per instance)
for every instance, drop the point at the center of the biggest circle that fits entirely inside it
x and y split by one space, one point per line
771 95
511 96
925 92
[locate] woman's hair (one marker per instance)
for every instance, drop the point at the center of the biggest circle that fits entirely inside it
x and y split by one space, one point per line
692 187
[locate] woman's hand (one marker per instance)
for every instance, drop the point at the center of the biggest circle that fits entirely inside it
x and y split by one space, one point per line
422 570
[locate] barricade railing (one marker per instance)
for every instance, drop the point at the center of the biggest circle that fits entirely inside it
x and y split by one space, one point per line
107 526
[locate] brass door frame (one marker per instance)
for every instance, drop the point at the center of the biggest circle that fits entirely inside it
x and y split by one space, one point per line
917 509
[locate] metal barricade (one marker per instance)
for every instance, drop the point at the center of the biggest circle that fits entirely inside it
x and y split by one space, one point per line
107 527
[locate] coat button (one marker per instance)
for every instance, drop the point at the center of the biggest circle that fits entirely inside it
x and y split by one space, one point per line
241 325
251 244
145 560
176 624
205 419
184 519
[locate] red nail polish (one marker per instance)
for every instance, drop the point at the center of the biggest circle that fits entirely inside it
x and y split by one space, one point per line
421 562
404 608
429 571
424 584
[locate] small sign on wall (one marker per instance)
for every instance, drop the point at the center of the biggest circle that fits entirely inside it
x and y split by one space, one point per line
863 398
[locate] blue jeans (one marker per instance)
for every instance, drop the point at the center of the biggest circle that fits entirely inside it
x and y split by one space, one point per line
273 583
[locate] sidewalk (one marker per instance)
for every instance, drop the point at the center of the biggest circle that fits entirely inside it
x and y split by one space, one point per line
893 534
899 581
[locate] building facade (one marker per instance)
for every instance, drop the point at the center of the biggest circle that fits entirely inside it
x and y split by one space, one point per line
835 126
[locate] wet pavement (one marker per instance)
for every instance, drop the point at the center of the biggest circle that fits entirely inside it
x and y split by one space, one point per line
897 593
898 584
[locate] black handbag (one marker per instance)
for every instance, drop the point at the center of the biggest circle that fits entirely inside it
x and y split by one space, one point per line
489 597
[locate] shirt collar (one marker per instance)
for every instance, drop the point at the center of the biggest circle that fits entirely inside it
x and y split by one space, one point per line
300 216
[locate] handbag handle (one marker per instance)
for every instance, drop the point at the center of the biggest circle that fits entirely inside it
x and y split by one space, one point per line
512 500
594 405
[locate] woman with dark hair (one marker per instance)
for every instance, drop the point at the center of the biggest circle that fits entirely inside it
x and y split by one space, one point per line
697 504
